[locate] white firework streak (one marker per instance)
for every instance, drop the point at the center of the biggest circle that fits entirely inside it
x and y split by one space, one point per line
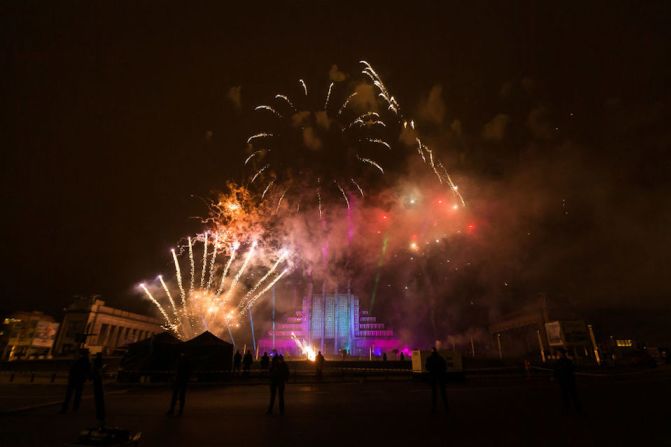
286 99
259 172
267 188
454 187
251 302
344 104
270 109
255 153
305 87
234 250
358 187
343 194
420 148
262 280
377 141
193 265
156 303
204 270
371 162
279 202
214 257
319 201
258 135
178 274
328 96
238 275
167 292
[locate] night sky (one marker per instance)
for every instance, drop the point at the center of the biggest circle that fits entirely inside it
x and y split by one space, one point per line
118 117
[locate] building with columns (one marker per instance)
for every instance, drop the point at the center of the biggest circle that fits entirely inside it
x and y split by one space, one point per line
89 323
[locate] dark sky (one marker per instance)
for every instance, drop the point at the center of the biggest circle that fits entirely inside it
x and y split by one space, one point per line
107 108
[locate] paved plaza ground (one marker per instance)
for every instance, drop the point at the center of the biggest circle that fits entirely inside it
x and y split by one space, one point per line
627 409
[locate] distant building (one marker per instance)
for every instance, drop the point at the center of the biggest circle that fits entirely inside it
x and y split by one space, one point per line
27 335
89 324
530 331
331 324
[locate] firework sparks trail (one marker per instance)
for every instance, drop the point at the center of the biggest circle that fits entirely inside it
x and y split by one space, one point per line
279 202
287 100
358 187
240 272
253 154
155 301
343 194
305 348
270 109
371 162
282 258
204 269
178 274
212 261
259 172
252 301
346 103
234 250
193 265
305 87
267 188
377 141
328 96
167 292
259 135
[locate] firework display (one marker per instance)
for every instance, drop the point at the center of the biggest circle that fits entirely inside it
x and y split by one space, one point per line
324 186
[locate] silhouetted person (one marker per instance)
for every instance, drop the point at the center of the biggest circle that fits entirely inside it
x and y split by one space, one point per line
564 373
182 375
237 361
319 364
402 357
437 368
384 356
247 361
265 362
79 372
97 374
279 375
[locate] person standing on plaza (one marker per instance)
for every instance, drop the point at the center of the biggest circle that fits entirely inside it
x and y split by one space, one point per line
564 373
79 372
98 372
319 365
237 361
182 376
265 362
279 375
247 361
437 369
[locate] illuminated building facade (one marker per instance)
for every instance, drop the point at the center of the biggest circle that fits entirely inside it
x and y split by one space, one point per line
331 324
26 335
90 324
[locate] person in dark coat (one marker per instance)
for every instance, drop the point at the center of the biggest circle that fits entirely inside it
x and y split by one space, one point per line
98 391
402 357
319 364
437 369
247 361
79 372
279 375
182 375
237 361
564 374
265 362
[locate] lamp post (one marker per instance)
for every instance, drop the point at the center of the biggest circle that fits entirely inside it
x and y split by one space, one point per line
498 342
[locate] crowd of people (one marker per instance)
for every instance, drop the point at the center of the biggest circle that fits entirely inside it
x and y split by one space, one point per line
276 370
